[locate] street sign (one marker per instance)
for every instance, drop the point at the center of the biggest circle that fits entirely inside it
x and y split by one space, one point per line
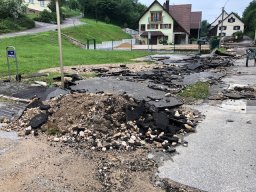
11 53
10 56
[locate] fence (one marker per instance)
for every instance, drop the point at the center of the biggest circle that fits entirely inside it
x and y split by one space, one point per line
112 45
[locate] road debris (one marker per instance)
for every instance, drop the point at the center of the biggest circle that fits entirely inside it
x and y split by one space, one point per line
105 122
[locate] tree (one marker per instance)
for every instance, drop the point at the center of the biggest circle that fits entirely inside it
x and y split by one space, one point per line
249 19
119 12
204 28
11 9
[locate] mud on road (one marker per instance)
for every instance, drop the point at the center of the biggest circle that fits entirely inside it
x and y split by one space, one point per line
32 164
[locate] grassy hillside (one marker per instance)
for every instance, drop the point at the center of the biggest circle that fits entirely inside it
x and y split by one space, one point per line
99 31
40 51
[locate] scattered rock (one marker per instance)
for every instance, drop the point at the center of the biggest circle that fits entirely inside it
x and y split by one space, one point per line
42 83
28 130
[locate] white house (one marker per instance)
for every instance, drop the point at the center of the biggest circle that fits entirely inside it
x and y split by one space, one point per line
169 23
231 24
37 6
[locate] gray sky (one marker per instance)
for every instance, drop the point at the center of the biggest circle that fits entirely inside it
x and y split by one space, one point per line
210 8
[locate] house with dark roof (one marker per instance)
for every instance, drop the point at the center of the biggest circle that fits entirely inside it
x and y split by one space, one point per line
169 23
231 23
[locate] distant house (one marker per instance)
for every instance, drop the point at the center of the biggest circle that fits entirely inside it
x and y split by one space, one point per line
170 24
37 6
231 24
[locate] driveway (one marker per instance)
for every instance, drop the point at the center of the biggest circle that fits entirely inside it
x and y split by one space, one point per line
44 27
221 156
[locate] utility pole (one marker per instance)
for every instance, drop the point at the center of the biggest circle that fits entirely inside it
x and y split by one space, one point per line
221 30
60 43
199 30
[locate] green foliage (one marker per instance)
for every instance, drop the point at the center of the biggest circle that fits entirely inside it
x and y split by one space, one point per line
46 16
12 17
50 16
11 9
249 18
196 91
40 51
119 12
214 42
10 25
204 28
96 30
238 35
68 12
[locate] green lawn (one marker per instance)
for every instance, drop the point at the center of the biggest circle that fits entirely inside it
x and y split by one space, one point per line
99 31
40 51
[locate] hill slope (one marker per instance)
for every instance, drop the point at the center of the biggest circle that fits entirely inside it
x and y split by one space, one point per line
99 31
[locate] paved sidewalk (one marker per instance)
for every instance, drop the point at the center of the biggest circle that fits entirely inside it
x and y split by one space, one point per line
221 156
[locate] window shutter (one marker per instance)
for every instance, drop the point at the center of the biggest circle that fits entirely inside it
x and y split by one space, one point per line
148 26
156 26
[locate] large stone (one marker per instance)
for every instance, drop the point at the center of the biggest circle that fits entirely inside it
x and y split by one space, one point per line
37 121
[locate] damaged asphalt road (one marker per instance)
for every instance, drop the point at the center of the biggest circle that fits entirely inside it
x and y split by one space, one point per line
124 114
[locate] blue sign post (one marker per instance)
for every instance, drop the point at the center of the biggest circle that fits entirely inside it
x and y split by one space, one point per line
11 54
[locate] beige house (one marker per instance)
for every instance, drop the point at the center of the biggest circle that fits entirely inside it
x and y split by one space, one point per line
169 24
231 24
157 24
37 6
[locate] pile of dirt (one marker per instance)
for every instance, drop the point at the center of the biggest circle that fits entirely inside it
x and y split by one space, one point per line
105 122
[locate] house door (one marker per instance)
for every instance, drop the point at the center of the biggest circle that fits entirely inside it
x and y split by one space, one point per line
154 40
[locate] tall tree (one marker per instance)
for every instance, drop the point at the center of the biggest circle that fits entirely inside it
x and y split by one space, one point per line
204 28
121 12
249 18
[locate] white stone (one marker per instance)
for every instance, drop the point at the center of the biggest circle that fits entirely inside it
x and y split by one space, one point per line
56 139
81 134
177 114
42 83
104 149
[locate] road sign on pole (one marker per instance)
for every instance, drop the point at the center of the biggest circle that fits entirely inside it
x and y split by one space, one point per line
11 54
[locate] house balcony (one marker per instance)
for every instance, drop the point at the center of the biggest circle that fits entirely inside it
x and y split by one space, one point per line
155 21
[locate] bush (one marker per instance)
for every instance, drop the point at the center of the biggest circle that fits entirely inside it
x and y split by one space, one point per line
238 35
26 22
67 12
11 25
46 17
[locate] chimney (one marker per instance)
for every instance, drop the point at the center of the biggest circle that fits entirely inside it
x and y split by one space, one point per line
167 6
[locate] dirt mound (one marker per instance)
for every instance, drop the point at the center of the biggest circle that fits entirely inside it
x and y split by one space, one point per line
100 113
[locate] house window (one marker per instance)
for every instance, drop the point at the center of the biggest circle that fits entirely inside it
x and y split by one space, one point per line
222 34
156 16
236 27
42 3
152 26
143 27
231 20
165 26
223 28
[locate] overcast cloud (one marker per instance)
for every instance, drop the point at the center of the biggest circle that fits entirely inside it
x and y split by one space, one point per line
210 8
